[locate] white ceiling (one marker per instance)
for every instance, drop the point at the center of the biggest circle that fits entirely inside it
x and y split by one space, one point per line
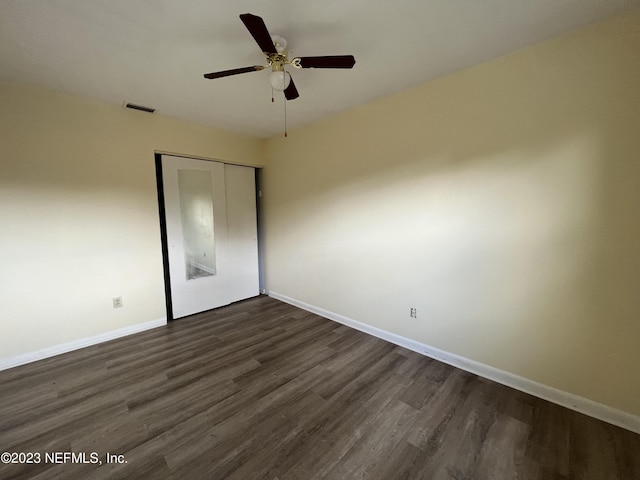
154 52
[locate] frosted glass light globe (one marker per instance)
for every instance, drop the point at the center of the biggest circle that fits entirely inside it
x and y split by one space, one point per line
279 42
279 80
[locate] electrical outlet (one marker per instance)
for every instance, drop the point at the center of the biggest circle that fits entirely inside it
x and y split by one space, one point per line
413 313
117 302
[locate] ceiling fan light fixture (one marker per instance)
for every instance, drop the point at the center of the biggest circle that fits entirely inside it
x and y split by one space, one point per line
280 43
279 80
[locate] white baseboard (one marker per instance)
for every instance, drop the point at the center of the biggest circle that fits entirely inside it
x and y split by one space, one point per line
559 397
11 362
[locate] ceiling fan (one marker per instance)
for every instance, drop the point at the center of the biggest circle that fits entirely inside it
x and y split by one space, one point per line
274 47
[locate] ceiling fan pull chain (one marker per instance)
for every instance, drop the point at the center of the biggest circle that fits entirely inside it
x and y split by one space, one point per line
272 100
285 117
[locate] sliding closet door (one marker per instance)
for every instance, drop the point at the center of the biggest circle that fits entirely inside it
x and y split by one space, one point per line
242 232
211 228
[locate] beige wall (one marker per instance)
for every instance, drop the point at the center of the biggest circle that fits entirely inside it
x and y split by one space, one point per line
501 201
79 215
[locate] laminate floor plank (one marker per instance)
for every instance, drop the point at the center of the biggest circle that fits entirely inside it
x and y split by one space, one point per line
383 432
263 390
438 412
502 454
259 437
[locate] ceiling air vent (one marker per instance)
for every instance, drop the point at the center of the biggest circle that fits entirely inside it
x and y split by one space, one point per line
139 107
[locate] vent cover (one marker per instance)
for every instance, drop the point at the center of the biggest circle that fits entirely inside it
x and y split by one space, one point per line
139 107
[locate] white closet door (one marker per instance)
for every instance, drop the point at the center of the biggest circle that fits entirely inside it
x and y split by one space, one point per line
211 233
242 232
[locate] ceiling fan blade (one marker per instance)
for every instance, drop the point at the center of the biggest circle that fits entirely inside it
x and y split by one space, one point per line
331 61
259 32
291 92
235 71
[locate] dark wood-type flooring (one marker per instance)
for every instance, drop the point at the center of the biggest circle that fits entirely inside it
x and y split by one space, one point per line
261 389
